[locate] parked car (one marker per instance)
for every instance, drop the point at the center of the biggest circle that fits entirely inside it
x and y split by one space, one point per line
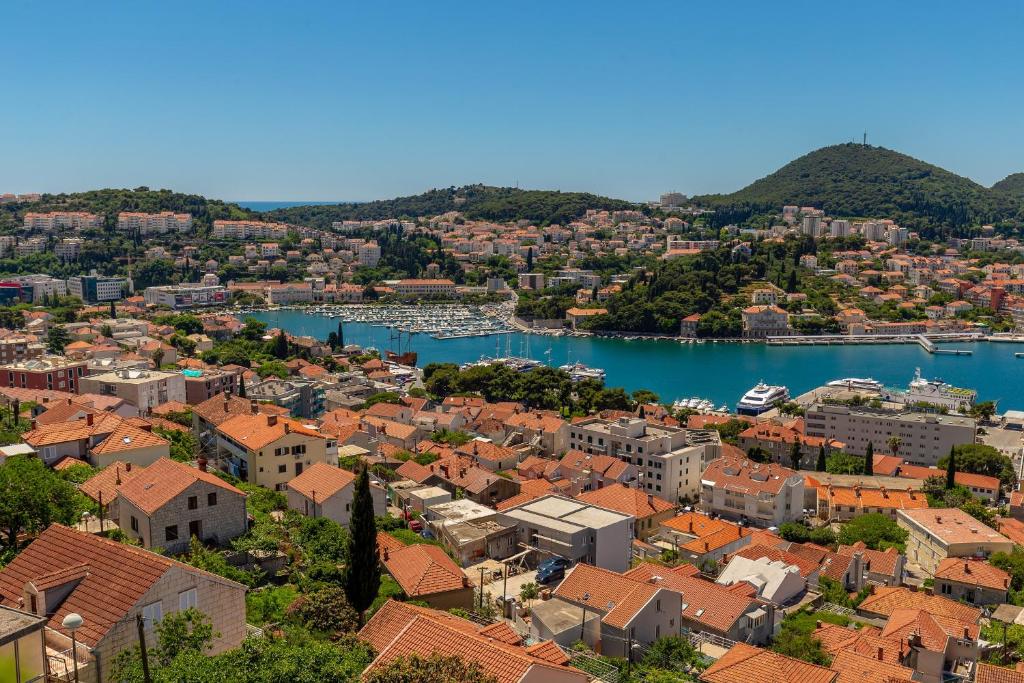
560 562
416 525
427 534
552 572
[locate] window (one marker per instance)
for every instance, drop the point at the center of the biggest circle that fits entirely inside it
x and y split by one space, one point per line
193 502
187 599
211 499
135 524
171 533
153 613
281 469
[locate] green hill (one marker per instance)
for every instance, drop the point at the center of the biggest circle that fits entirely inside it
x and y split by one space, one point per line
475 201
1012 184
863 181
111 202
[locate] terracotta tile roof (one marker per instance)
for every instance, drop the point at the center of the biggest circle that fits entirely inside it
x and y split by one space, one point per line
865 641
711 534
806 566
882 562
973 572
875 498
953 525
745 663
714 606
390 427
501 631
64 411
256 431
128 437
423 570
549 652
107 481
605 465
393 616
629 501
118 576
536 421
164 480
747 477
223 407
617 596
76 430
507 663
857 668
988 673
968 479
886 600
1012 528
171 407
67 462
321 481
414 471
935 631
388 542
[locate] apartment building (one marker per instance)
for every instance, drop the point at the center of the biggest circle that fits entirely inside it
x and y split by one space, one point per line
40 286
245 230
301 398
288 292
534 281
426 289
268 450
937 534
368 254
186 295
153 223
93 288
560 527
144 389
29 246
68 249
54 373
19 349
201 385
668 460
924 437
62 220
764 495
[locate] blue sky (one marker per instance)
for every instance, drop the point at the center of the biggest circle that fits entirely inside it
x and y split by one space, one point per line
332 100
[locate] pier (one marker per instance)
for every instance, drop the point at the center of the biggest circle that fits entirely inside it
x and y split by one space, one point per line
927 342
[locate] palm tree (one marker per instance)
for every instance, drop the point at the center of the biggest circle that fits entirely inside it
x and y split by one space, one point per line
894 443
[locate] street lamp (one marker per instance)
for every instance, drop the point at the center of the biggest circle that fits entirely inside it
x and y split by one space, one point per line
72 623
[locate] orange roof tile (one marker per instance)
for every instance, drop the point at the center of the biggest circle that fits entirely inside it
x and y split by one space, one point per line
886 600
973 572
256 431
423 570
320 481
629 501
745 663
857 668
164 480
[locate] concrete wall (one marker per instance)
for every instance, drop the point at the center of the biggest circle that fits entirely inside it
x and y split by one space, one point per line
217 523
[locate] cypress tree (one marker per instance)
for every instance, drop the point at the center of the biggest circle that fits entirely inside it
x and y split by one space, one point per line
794 454
951 469
529 260
821 459
341 336
113 311
791 284
362 573
281 346
241 386
869 460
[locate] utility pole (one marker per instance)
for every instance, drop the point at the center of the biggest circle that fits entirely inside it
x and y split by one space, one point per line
504 581
629 656
140 625
482 590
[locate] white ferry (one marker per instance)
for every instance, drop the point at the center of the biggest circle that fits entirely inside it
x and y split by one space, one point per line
761 398
937 392
579 371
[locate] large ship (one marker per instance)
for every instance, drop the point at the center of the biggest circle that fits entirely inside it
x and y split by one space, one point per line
939 393
579 371
761 398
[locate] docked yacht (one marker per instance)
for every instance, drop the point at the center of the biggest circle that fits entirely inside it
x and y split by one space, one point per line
761 398
857 383
579 371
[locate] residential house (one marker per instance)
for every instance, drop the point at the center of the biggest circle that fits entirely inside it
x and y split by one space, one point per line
744 663
168 503
773 580
649 511
144 389
110 584
547 433
587 472
701 540
268 450
325 490
764 495
974 581
100 439
425 573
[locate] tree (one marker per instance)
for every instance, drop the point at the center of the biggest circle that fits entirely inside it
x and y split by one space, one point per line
528 592
57 339
158 358
791 283
877 531
821 459
529 259
341 336
794 454
281 346
839 462
894 443
869 459
983 411
362 573
241 387
982 459
434 669
113 311
326 610
33 497
951 469
672 653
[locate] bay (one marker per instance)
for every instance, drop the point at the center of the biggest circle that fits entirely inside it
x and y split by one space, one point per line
720 372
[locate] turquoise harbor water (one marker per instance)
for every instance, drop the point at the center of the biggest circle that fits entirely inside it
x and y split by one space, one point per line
719 372
270 205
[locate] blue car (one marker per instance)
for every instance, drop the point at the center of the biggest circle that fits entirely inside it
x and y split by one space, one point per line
552 572
559 562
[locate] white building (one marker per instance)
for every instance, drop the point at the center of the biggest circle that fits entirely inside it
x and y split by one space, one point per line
774 580
186 295
153 223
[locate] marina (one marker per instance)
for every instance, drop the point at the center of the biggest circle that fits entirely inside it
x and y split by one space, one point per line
718 372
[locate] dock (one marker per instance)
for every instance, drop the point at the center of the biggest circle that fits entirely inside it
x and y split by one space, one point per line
930 347
927 342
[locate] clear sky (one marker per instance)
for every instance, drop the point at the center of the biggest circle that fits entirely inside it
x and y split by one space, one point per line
338 100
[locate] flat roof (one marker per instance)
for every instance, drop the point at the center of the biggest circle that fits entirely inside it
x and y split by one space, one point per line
565 514
953 525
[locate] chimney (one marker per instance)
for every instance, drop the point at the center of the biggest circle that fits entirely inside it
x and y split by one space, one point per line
880 654
706 546
650 500
88 419
254 407
226 403
286 428
817 624
69 401
146 427
201 463
967 567
127 467
271 420
33 423
967 633
385 554
117 475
